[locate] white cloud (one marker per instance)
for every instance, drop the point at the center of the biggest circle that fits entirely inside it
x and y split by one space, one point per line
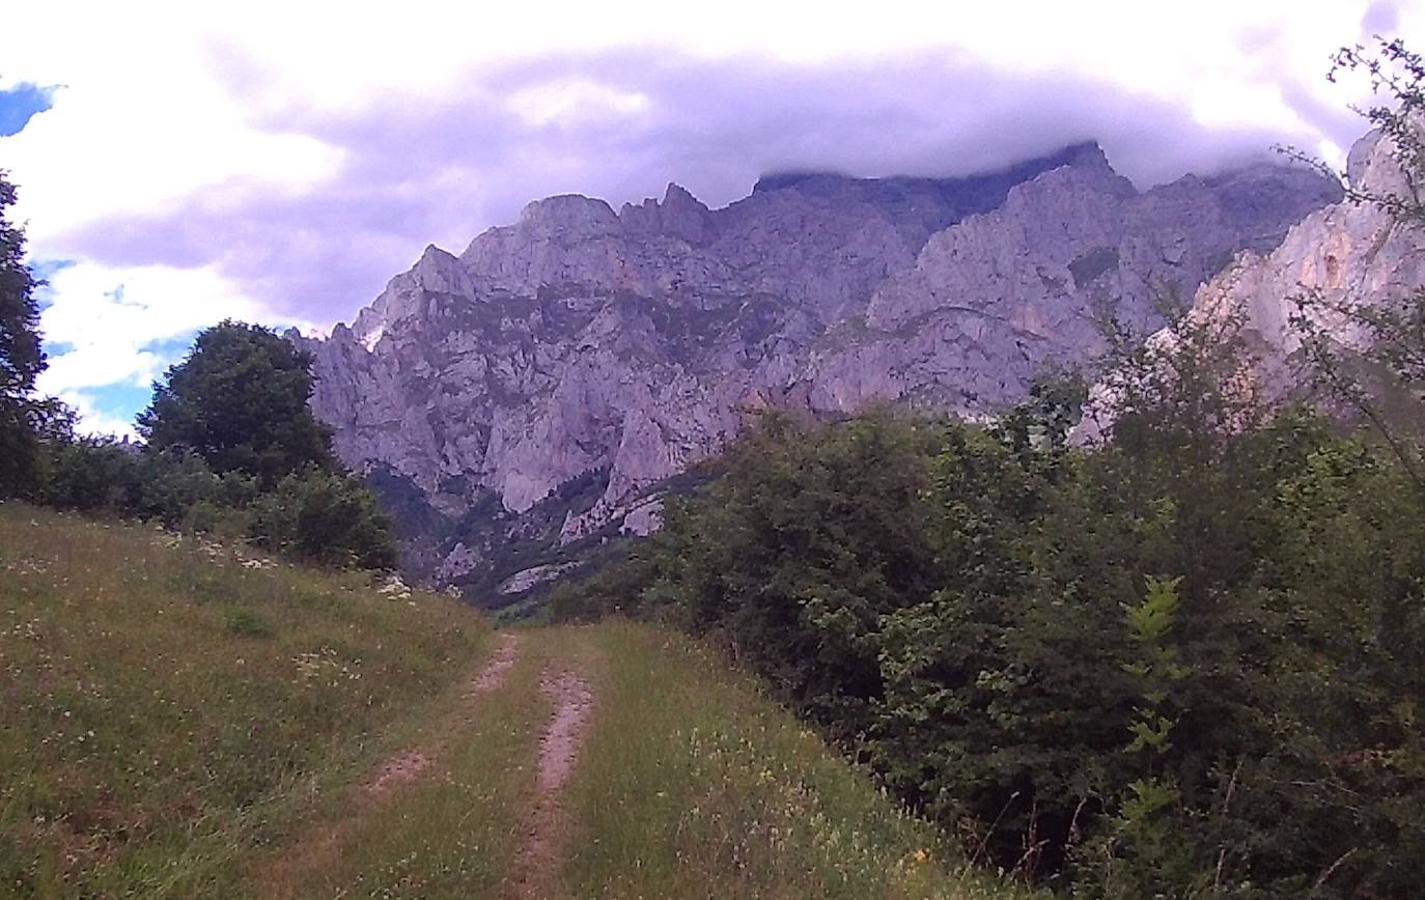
189 112
109 320
569 100
96 422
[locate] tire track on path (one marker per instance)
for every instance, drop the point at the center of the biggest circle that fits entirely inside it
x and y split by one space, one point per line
322 844
411 763
537 866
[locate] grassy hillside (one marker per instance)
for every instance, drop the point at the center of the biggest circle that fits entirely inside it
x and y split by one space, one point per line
183 721
168 704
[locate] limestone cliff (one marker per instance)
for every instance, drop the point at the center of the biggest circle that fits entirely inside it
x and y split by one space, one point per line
1352 253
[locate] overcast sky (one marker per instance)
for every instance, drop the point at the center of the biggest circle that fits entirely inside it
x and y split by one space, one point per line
278 162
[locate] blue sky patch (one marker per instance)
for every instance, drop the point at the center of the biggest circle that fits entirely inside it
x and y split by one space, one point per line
20 103
122 401
173 349
43 269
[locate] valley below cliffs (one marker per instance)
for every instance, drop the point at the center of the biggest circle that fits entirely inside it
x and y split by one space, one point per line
521 406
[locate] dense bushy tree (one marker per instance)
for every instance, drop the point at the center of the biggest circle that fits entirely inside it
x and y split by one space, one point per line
21 358
233 449
239 401
821 531
175 487
326 518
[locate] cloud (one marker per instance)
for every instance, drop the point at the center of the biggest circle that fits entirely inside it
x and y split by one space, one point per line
621 126
1381 18
217 166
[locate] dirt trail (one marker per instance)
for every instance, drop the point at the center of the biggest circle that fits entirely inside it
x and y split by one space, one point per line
412 763
536 873
322 844
501 661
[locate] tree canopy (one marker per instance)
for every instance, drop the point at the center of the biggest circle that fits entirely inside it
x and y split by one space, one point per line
239 400
21 359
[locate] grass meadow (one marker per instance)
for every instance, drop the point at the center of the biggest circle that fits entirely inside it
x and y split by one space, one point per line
694 784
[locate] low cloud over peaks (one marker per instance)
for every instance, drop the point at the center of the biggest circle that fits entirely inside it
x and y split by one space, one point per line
621 126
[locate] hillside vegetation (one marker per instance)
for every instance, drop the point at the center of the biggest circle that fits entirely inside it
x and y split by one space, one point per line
184 719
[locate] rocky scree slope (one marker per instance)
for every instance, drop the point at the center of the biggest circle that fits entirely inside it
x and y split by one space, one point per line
518 404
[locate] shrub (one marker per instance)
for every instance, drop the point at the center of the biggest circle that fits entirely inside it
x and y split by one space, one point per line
246 622
325 518
814 534
89 474
980 615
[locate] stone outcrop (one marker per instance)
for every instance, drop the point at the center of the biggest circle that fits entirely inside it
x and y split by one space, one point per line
528 394
1340 258
1349 253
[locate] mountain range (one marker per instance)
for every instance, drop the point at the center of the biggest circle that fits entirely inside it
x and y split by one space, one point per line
524 403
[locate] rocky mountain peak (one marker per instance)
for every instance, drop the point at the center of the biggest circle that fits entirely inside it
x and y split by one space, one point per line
439 271
568 213
1352 253
679 215
1362 159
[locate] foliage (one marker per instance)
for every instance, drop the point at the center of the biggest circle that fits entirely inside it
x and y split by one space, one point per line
613 590
326 518
821 530
21 358
208 469
239 401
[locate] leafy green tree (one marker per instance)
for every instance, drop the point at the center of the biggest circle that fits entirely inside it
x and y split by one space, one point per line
21 359
239 401
326 518
820 531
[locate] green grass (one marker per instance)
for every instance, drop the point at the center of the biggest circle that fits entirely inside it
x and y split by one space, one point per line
168 706
453 831
695 785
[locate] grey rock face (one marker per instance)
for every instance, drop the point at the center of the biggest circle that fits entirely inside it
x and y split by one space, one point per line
528 392
1352 253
